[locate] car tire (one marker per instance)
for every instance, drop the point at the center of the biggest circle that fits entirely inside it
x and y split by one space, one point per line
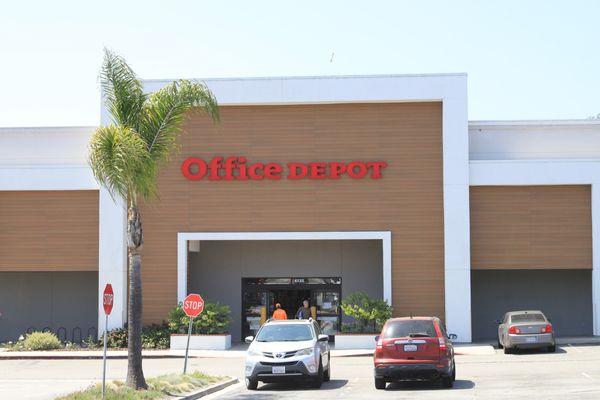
318 379
507 350
447 382
380 383
551 349
453 371
499 344
327 375
251 384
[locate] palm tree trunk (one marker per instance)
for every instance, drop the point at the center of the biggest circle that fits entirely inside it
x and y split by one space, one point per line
135 240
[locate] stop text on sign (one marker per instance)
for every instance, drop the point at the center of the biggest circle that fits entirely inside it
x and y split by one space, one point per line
239 169
193 305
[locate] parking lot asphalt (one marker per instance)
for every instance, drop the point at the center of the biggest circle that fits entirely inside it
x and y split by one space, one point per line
573 372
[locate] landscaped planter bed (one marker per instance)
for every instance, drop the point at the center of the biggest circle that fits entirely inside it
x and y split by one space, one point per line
201 342
355 341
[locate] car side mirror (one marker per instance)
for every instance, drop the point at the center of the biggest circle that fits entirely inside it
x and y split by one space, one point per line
249 339
377 338
452 336
323 338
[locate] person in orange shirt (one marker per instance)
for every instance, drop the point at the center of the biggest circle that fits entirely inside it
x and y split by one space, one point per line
279 312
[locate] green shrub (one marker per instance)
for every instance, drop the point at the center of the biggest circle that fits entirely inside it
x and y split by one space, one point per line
213 320
117 338
41 341
369 314
156 336
90 343
153 337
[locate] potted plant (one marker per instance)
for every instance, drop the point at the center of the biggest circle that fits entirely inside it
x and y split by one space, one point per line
209 329
368 316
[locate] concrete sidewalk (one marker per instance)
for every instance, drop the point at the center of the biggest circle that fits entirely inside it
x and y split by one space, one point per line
239 351
147 354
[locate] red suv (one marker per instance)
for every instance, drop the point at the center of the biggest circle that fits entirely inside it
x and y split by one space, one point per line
414 348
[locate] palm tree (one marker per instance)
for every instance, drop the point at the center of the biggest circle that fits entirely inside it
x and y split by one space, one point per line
125 158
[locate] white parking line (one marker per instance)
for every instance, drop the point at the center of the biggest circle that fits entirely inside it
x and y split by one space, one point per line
587 375
574 348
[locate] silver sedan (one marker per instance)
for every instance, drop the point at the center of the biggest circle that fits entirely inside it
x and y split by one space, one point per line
525 330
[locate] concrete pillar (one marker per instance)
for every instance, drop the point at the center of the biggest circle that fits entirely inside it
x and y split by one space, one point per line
112 259
596 256
457 247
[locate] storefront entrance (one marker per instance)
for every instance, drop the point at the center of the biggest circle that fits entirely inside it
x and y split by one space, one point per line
259 296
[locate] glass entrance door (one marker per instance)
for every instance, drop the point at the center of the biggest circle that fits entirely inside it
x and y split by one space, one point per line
259 296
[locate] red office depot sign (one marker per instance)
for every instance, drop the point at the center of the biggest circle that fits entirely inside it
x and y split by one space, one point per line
238 168
108 298
193 305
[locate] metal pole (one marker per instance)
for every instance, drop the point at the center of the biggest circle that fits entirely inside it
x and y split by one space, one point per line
104 366
187 346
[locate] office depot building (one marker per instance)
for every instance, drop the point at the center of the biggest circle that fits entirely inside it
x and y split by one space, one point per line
315 188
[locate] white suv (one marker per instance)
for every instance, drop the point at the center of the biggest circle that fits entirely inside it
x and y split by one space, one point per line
288 349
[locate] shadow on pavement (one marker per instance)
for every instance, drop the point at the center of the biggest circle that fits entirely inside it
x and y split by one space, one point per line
423 385
537 351
283 386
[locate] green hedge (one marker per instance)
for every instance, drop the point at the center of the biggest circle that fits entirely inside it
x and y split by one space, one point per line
213 320
153 337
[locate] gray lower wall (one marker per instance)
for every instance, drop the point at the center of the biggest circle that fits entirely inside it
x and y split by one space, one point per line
565 296
52 300
216 271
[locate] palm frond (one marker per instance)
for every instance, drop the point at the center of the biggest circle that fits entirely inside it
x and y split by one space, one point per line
123 91
164 114
120 162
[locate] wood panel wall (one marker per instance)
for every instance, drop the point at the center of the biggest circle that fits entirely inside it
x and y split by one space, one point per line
49 230
531 227
408 200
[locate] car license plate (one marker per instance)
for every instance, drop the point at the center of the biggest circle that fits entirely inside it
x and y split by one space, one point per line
531 339
279 370
410 347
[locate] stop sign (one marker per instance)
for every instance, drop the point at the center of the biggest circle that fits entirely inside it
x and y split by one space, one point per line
107 298
193 305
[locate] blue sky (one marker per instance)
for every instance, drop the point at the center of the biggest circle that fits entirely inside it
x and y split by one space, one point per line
525 59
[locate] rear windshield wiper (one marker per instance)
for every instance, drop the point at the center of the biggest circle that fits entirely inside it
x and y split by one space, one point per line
418 334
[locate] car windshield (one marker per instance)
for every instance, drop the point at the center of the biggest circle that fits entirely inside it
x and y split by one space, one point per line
533 317
409 328
284 333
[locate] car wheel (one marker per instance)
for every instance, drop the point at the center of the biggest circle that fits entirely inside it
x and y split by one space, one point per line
499 344
551 349
447 382
453 371
327 375
379 383
251 384
507 350
318 380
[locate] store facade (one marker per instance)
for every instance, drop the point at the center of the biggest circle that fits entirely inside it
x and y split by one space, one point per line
315 188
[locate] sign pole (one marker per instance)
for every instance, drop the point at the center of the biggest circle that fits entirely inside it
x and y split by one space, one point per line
108 297
187 346
104 363
192 306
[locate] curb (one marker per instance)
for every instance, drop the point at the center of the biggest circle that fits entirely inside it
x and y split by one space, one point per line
210 390
90 357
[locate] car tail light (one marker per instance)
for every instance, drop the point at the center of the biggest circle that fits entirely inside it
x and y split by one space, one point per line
547 329
442 343
379 348
513 330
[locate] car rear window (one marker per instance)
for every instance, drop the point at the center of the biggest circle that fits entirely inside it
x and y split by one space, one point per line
405 328
284 333
534 317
